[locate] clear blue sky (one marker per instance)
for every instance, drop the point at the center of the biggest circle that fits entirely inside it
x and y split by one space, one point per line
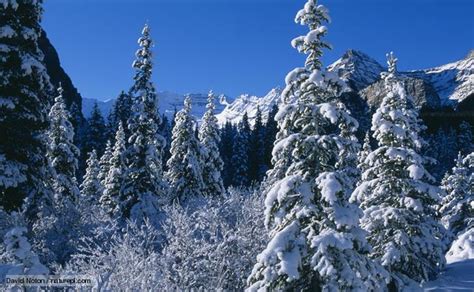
242 46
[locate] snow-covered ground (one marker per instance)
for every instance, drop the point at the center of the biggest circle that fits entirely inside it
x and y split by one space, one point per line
457 276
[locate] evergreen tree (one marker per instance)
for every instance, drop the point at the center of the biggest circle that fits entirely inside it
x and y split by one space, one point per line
396 193
91 187
315 243
184 167
91 190
25 97
270 135
143 184
457 207
364 153
465 140
257 167
115 174
240 154
165 130
61 236
121 113
212 164
105 161
62 152
228 132
96 134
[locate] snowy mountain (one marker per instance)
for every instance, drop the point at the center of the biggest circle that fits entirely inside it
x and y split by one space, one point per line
168 102
360 69
453 82
249 104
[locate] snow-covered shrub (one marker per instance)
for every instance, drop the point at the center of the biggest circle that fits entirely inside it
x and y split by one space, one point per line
212 244
124 259
17 257
462 248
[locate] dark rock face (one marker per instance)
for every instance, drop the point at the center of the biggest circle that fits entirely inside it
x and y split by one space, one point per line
58 75
422 92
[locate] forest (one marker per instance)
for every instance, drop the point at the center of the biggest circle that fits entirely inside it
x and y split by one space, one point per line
306 198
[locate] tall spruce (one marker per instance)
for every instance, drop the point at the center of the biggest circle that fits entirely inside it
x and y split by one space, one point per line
121 113
115 175
271 131
316 243
226 148
240 154
465 139
257 167
91 190
105 160
212 164
457 207
185 166
396 191
143 185
96 132
59 231
25 98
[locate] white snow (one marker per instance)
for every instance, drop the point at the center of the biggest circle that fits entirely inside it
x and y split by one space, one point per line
7 32
462 248
458 276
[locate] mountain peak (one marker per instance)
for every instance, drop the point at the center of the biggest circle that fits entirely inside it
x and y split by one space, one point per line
360 69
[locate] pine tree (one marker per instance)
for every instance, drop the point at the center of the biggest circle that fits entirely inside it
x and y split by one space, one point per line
270 135
62 152
165 130
185 167
105 159
396 191
143 185
212 164
115 175
465 139
457 207
364 153
240 155
121 112
316 243
96 133
257 167
228 132
25 98
91 190
91 187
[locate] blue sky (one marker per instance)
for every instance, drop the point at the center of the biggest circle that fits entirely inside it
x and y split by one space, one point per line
242 46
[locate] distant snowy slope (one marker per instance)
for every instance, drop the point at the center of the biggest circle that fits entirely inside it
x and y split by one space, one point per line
249 104
168 102
453 82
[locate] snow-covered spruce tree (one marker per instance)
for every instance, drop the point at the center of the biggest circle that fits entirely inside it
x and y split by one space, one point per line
185 166
62 152
212 164
59 230
226 148
25 98
396 193
91 190
257 167
104 162
364 152
143 186
240 154
457 207
114 178
316 243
